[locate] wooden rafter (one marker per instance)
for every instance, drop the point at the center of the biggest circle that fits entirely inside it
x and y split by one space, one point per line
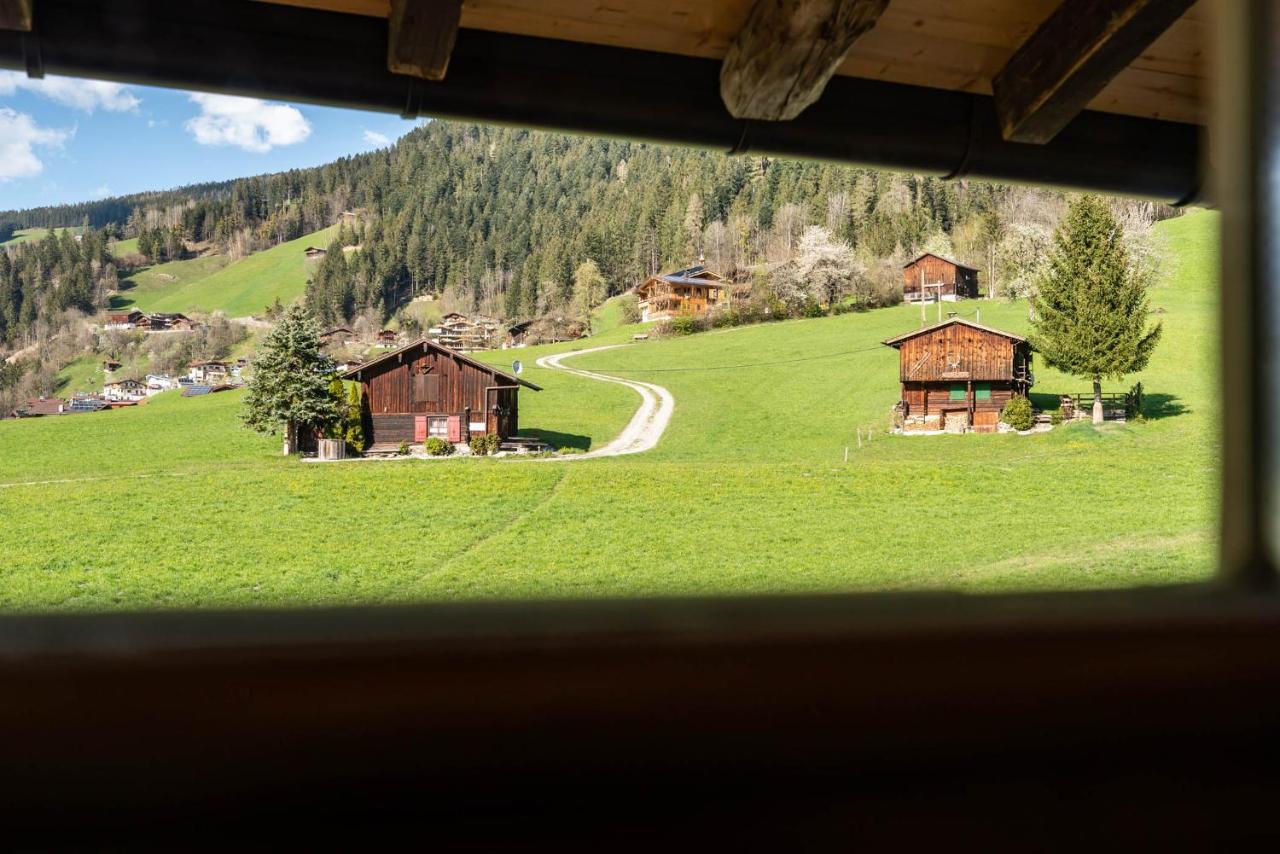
1071 58
15 15
787 50
421 35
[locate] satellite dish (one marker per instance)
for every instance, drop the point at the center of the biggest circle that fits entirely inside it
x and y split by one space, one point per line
516 367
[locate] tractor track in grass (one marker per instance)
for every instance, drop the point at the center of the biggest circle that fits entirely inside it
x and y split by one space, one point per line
645 428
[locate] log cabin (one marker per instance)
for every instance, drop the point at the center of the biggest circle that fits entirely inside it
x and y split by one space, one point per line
694 290
957 375
425 390
939 277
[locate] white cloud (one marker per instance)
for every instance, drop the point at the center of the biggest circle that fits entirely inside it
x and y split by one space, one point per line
102 192
248 123
19 138
374 138
87 95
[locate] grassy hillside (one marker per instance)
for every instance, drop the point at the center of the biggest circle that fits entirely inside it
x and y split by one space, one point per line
748 492
23 235
210 283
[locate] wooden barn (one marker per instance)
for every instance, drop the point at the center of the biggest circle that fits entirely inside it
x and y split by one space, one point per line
938 277
690 291
424 389
957 375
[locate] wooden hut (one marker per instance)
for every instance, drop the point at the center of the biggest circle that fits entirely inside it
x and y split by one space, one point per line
957 375
938 277
693 290
424 389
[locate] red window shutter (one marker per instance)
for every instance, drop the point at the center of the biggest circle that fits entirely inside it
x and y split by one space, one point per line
455 428
420 428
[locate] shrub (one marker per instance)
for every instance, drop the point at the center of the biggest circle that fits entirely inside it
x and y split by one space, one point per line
629 308
812 308
493 442
1055 417
437 447
1017 413
403 450
479 445
685 324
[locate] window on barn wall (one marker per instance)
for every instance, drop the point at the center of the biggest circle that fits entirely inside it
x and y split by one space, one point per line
957 391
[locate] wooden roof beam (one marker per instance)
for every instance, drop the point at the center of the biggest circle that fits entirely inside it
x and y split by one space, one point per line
15 15
785 53
1071 58
421 35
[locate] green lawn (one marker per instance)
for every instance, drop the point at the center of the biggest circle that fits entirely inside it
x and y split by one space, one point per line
124 248
211 283
748 492
24 235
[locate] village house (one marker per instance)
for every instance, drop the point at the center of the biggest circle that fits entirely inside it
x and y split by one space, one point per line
517 334
938 278
694 290
124 389
166 321
42 406
85 403
387 338
123 319
337 335
958 375
465 334
109 365
425 390
315 252
157 383
209 371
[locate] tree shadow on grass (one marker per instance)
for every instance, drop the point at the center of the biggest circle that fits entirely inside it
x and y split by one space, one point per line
1044 402
1162 406
558 440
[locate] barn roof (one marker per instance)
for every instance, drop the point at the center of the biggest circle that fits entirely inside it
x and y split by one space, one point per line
350 374
894 342
946 258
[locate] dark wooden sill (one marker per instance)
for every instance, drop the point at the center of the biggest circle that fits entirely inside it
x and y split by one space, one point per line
631 720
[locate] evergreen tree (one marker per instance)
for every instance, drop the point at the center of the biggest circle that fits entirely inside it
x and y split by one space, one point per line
290 385
1092 303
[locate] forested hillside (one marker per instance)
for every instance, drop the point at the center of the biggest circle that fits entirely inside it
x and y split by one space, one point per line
498 219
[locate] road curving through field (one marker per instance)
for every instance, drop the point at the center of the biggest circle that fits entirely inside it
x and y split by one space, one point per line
645 428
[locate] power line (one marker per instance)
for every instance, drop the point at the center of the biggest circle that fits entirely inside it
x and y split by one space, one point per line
740 366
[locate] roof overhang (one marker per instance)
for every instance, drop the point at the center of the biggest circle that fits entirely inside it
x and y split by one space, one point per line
925 330
307 55
396 354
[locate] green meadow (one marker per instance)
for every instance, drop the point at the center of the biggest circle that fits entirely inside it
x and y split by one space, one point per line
212 283
24 235
777 474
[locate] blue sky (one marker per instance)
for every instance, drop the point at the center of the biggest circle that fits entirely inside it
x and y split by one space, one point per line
70 140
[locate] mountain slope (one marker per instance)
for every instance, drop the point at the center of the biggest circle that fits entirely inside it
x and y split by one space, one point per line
210 283
749 491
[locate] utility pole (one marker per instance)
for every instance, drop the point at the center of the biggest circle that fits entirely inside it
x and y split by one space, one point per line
922 319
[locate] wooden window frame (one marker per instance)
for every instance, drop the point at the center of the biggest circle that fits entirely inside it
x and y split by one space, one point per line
832 715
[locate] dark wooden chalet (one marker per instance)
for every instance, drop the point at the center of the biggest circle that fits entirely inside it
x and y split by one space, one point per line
958 375
938 277
424 389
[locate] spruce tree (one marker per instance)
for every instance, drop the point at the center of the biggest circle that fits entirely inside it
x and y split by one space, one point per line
1092 303
290 385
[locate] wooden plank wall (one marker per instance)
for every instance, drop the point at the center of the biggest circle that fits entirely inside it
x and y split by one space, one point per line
956 349
394 392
